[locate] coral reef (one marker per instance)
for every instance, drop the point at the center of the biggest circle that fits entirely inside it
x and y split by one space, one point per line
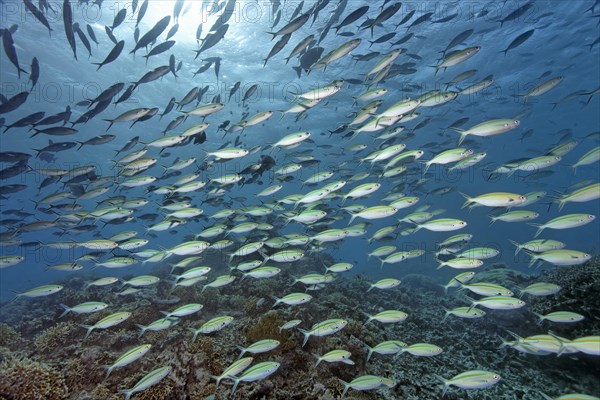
56 337
25 379
67 366
267 327
8 336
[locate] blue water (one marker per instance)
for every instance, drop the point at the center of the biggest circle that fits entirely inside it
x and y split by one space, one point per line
559 46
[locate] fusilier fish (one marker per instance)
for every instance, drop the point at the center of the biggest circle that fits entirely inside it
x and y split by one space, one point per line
213 325
325 328
127 358
342 356
262 346
475 379
234 369
107 322
365 382
84 308
152 378
255 373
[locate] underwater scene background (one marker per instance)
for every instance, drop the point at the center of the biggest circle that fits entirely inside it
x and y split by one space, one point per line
299 199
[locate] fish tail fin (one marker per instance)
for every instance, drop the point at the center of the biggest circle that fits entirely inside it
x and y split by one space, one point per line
67 310
142 330
306 334
298 70
539 227
492 219
427 165
217 378
463 135
446 384
242 351
89 328
346 387
369 354
352 218
471 300
319 359
110 123
447 314
534 257
108 369
561 203
468 201
517 245
417 225
277 301
442 263
540 316
195 333
127 393
236 382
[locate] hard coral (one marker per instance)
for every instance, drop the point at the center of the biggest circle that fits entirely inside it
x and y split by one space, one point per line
211 350
161 391
24 379
267 327
57 336
8 336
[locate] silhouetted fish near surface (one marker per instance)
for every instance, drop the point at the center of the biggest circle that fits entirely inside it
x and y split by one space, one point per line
519 40
308 60
212 39
31 119
55 147
152 34
113 55
352 17
161 48
37 14
35 72
14 102
119 18
10 51
68 24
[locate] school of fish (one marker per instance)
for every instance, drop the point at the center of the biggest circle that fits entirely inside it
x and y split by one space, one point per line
198 178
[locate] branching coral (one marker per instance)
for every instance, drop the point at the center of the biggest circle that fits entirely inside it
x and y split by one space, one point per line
8 336
57 336
24 379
